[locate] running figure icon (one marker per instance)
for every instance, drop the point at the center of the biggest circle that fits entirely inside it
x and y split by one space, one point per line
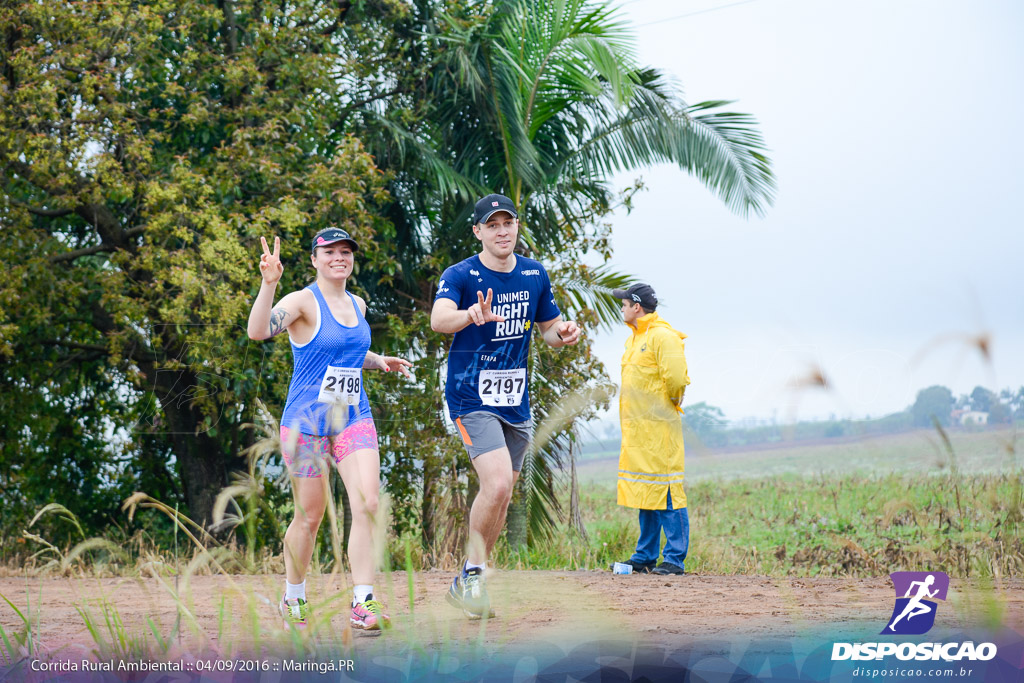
916 606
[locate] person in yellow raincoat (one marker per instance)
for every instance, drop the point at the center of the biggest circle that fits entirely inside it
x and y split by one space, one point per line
654 378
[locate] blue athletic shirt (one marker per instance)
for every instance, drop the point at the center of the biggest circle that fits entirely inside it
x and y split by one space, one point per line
332 344
523 297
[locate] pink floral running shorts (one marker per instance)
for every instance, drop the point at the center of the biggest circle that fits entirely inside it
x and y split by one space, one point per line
305 454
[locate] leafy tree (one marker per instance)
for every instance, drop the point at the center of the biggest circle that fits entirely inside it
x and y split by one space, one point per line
56 446
143 148
543 102
707 422
983 399
1016 402
934 402
564 105
999 413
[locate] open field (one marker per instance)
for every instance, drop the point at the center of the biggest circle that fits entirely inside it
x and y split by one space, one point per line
920 452
861 509
814 526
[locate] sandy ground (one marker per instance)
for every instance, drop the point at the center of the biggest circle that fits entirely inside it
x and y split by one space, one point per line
531 606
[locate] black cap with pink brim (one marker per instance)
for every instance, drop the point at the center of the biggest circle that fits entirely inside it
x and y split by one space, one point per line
332 235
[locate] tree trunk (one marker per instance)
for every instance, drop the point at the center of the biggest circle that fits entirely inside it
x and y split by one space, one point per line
433 466
204 460
431 492
204 464
575 518
203 470
342 511
516 521
472 488
346 522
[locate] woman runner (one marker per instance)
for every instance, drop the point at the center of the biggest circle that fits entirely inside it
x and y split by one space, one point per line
326 414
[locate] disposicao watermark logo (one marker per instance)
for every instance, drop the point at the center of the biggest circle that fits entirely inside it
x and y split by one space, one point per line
914 615
916 595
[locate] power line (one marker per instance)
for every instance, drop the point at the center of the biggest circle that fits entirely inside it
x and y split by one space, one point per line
690 14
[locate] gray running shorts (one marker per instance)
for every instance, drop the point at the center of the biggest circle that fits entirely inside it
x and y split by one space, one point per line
483 431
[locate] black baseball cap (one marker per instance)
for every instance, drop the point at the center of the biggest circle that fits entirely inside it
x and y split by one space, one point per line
490 205
639 294
332 235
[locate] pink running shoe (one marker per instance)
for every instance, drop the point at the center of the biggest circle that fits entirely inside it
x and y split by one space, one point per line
369 615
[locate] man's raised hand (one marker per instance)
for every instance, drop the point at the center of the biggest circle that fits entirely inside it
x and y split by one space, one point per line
569 332
481 313
270 262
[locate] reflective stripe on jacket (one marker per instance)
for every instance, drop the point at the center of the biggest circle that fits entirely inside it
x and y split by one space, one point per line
654 379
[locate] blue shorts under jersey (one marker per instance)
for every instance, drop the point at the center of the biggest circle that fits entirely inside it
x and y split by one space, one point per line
479 354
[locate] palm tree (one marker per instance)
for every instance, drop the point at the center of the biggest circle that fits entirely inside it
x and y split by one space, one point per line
562 105
545 101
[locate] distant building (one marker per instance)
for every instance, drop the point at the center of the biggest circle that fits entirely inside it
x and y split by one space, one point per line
973 417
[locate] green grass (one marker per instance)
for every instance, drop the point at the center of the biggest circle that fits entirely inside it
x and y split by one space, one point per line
858 508
17 645
864 508
967 526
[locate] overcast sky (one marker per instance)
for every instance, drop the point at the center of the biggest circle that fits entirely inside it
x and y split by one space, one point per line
896 132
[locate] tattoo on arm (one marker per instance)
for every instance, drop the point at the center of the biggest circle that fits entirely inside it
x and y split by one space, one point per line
277 317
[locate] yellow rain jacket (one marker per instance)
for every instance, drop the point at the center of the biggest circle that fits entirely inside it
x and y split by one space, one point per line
653 381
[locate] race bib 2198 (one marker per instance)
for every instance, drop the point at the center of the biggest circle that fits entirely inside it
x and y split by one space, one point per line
341 385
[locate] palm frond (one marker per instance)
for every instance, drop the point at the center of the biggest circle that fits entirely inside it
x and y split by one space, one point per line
594 291
724 150
542 507
542 461
435 170
745 181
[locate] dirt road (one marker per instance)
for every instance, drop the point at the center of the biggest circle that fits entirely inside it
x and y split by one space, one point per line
229 613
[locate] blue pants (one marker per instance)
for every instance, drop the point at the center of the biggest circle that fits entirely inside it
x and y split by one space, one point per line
676 524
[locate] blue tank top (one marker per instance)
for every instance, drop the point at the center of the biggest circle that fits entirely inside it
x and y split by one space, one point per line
332 344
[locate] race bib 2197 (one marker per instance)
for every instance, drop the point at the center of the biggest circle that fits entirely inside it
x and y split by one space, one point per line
502 387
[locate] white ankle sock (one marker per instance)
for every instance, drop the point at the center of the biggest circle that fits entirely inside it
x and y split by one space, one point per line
361 593
470 565
294 590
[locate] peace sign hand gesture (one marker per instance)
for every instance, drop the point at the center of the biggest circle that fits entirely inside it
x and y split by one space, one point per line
270 262
480 312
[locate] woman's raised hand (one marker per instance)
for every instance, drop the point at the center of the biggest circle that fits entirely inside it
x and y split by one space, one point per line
270 262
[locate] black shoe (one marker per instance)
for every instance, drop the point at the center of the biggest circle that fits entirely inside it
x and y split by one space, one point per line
638 567
666 568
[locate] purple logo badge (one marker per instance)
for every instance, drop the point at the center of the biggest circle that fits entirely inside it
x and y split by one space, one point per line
916 593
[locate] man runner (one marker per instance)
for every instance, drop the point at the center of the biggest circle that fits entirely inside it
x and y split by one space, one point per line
487 387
